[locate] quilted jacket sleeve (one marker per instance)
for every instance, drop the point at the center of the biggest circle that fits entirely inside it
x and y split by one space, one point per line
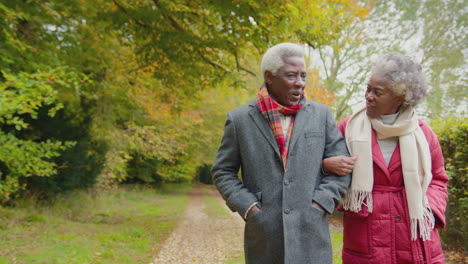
437 192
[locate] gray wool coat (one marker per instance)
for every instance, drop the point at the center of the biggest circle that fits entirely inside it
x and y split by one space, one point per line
288 229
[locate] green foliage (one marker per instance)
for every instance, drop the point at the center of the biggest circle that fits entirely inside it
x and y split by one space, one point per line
23 155
204 174
24 94
33 34
79 165
444 45
216 37
140 87
453 137
53 103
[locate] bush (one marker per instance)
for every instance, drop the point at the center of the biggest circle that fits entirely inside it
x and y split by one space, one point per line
23 153
78 166
204 174
453 137
141 169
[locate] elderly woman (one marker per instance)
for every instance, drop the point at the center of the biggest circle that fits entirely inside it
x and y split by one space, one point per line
398 192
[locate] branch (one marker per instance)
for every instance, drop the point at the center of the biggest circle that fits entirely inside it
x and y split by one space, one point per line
239 67
171 19
213 63
337 65
310 44
342 103
126 12
324 63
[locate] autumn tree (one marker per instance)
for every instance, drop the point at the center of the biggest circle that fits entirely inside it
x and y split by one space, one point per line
429 31
136 90
205 41
194 46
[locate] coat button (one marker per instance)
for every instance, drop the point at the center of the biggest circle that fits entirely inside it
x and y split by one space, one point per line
398 217
287 211
286 182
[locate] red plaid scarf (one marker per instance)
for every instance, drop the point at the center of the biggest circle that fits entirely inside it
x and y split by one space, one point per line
271 110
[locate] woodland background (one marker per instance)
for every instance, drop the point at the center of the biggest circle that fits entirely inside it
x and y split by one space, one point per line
97 94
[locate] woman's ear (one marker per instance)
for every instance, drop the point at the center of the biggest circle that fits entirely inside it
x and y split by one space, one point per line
267 77
400 99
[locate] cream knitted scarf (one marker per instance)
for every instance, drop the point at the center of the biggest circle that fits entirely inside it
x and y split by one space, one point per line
415 162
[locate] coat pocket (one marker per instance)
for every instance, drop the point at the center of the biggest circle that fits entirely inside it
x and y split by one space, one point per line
315 141
259 196
356 234
313 134
317 211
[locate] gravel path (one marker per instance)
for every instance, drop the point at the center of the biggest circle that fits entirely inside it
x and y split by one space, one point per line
200 238
203 239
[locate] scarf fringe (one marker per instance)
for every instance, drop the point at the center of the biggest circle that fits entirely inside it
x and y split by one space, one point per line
426 223
355 199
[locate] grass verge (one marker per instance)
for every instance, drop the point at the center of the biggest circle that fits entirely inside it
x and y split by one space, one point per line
213 207
337 244
125 225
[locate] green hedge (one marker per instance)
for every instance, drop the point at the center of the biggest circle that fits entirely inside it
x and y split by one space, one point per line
453 137
204 174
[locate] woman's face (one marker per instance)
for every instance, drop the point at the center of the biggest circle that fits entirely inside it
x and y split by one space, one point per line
380 99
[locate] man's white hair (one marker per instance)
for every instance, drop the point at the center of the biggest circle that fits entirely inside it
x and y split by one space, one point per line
273 59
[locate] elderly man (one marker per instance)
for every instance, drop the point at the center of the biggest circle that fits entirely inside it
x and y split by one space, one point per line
279 141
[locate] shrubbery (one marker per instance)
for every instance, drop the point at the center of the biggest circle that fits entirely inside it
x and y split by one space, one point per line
204 174
453 137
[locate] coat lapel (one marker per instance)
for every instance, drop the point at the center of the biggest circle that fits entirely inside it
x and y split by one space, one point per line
298 129
264 128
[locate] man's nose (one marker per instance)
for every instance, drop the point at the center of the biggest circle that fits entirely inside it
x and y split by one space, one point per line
300 82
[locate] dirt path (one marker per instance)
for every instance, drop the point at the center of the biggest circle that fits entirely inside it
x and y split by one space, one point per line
212 239
200 238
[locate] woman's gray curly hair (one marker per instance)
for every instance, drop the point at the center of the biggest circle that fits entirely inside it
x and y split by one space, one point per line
405 76
273 59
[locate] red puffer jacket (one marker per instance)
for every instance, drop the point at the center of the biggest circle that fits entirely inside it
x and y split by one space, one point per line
384 236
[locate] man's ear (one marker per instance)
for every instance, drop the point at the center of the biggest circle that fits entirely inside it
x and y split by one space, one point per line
268 77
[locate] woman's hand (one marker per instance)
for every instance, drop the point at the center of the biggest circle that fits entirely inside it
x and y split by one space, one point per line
339 165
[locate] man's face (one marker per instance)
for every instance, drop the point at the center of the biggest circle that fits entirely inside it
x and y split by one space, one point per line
287 86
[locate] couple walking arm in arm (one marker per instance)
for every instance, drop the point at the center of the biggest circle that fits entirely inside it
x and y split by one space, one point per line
294 163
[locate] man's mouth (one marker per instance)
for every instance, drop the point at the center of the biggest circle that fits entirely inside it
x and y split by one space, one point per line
296 95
